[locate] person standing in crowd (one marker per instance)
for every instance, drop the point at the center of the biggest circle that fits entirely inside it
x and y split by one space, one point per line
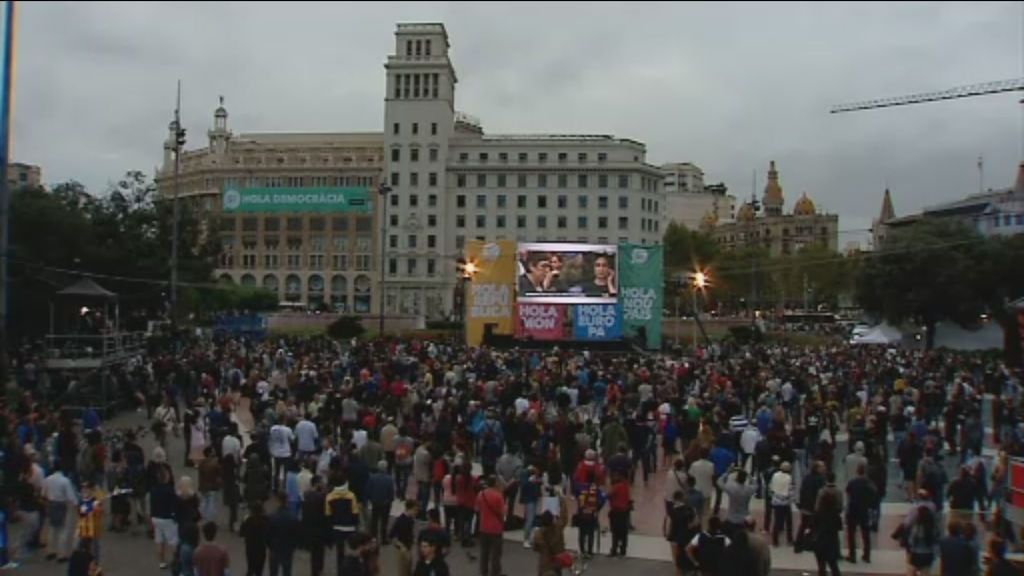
735 485
254 531
431 561
188 518
211 559
380 492
861 496
490 504
283 535
826 525
703 473
708 548
315 527
620 502
811 484
401 534
163 506
210 483
781 488
60 498
280 446
343 511
958 555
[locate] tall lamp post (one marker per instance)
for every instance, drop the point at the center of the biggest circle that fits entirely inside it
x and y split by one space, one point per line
384 190
700 283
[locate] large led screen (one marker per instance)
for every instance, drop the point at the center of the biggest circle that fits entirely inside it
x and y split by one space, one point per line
562 273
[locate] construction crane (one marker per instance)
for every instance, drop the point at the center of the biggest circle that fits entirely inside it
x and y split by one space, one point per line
997 87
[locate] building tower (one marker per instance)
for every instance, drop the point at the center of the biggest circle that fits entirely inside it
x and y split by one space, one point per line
773 199
419 112
220 135
878 227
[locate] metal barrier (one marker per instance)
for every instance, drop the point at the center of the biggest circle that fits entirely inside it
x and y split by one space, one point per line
103 347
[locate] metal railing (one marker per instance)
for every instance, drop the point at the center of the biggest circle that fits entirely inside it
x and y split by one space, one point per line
94 346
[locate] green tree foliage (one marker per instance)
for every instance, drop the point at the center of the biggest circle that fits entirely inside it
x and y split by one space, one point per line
345 328
937 270
119 236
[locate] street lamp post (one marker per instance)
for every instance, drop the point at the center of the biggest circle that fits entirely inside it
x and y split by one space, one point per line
384 190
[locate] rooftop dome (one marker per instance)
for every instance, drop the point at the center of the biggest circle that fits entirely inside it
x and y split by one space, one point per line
745 213
804 207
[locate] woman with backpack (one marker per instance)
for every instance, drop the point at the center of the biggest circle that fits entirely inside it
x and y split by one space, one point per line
920 538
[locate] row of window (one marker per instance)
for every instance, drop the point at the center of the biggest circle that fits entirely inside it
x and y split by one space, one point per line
362 224
524 157
339 262
317 243
546 180
422 48
416 85
414 179
293 182
561 201
414 153
460 241
412 241
412 267
414 128
561 222
1007 220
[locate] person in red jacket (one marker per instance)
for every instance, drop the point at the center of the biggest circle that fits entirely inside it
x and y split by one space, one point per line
491 505
589 471
619 504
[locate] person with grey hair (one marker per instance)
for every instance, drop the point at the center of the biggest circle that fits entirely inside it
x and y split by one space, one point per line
380 493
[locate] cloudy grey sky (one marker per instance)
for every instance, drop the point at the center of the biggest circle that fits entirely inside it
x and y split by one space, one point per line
728 86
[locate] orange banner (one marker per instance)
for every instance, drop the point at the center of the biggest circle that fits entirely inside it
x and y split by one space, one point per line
490 296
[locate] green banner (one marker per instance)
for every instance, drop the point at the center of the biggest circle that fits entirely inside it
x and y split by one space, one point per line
641 286
349 200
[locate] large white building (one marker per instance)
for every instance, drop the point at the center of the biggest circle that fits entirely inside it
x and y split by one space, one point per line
449 181
688 201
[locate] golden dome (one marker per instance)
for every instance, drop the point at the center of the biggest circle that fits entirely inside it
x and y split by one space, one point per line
745 213
804 207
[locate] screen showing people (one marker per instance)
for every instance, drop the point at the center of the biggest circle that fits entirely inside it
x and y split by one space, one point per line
567 273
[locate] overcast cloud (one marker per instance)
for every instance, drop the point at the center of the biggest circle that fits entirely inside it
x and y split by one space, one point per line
726 86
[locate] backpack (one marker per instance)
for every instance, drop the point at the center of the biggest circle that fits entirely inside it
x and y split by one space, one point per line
403 451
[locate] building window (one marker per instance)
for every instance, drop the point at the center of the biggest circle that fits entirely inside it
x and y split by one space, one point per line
542 181
582 181
521 201
294 224
481 180
581 202
623 223
414 154
395 181
542 221
542 158
481 221
431 220
415 127
562 221
481 201
563 157
393 220
433 155
483 157
393 199
623 181
463 157
394 129
414 179
431 241
602 202
602 157
581 222
502 201
520 221
602 222
602 181
392 266
431 266
623 202
460 242
503 157
501 221
433 128
393 241
582 157
432 179
521 181
542 201
501 180
563 201
460 220
411 241
432 200
460 201
396 154
414 200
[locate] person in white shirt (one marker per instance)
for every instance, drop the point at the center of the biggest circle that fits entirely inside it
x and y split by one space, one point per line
60 497
522 405
748 441
231 444
280 446
327 453
781 486
306 433
703 472
359 438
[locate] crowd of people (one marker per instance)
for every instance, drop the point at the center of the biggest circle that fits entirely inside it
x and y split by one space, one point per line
425 448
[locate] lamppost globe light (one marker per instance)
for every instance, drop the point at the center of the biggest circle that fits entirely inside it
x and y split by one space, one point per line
470 269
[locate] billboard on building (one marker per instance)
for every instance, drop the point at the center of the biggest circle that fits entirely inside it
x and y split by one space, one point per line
564 273
543 322
283 200
642 291
596 322
490 296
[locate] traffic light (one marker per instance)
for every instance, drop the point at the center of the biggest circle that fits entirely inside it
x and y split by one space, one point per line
181 137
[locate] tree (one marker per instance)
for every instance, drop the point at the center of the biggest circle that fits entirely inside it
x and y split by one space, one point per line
931 271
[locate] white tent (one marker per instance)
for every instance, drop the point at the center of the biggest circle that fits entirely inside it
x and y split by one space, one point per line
881 334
